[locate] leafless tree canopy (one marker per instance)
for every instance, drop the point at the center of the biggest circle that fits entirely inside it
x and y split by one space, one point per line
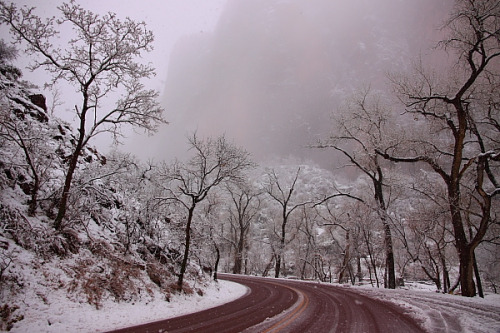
100 61
214 162
460 109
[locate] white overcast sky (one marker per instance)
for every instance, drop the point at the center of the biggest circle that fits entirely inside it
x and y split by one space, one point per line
169 20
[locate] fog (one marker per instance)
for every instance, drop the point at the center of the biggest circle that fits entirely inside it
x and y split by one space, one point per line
168 19
267 73
272 71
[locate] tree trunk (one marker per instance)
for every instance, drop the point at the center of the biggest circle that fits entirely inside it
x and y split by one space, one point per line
61 213
268 266
347 258
467 285
33 202
217 259
180 281
446 276
373 264
277 266
304 264
281 247
389 260
34 195
446 281
63 202
436 279
465 253
246 259
478 277
352 277
237 263
238 257
455 286
359 273
389 251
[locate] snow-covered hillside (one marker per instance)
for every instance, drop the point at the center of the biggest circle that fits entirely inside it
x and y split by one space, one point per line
103 254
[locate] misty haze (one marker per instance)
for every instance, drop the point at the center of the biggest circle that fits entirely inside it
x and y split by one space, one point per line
272 72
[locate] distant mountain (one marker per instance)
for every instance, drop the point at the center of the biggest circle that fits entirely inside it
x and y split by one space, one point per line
273 71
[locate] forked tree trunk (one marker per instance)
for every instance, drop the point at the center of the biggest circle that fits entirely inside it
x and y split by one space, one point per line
61 213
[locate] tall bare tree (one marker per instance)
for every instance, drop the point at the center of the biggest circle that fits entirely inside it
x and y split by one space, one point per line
245 206
214 162
288 202
460 109
100 60
361 127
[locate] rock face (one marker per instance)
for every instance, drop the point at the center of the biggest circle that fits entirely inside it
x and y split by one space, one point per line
39 100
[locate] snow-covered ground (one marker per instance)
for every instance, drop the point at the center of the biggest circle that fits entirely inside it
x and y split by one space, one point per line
437 312
442 313
64 316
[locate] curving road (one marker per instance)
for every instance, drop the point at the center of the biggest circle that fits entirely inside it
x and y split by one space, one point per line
277 305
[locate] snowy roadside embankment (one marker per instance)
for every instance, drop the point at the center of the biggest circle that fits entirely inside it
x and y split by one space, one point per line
65 316
443 313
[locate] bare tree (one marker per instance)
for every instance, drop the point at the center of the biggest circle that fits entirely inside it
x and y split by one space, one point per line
307 244
288 203
100 61
361 128
28 136
56 100
26 130
429 238
214 162
7 52
245 206
461 113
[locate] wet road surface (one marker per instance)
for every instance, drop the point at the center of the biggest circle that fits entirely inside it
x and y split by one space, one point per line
279 305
